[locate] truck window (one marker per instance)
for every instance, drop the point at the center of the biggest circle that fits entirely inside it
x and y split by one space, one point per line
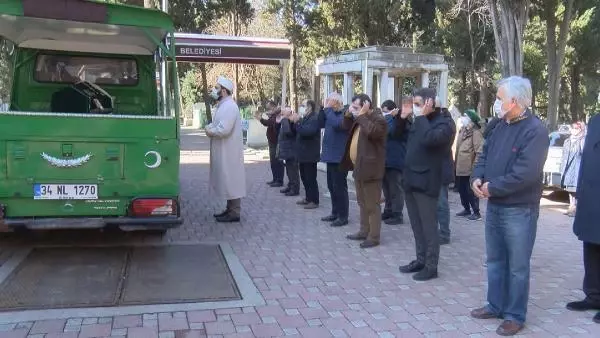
50 68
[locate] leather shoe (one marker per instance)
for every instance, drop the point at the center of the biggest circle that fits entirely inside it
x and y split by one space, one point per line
483 313
596 318
444 241
582 305
368 244
329 218
357 237
292 193
229 218
276 184
425 274
285 190
509 328
221 214
339 222
311 205
386 215
411 267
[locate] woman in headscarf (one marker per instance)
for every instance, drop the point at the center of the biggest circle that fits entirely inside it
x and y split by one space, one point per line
571 160
469 146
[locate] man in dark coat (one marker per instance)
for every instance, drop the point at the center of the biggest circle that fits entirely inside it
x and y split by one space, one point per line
308 151
271 120
586 225
429 143
509 174
286 152
443 207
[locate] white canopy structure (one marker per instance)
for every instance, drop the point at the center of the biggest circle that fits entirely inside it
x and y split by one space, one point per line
382 70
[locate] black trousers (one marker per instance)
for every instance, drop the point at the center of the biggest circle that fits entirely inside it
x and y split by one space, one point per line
337 184
277 167
308 174
467 198
291 169
393 193
422 212
591 279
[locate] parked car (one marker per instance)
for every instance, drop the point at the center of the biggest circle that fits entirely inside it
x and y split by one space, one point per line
552 174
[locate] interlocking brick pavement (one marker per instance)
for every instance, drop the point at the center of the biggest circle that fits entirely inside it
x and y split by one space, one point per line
318 284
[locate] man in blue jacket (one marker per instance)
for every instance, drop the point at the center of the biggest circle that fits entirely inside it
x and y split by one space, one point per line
333 149
395 151
509 173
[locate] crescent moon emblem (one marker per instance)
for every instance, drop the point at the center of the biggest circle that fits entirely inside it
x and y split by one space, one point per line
158 158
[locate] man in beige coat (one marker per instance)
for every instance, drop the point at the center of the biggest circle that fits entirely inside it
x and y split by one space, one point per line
227 173
468 147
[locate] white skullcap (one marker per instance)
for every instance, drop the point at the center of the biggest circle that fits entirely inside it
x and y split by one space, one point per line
225 83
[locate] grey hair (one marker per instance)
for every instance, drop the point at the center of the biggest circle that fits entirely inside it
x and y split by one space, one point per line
517 88
336 97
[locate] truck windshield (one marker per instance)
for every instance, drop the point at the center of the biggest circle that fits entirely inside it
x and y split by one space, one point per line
99 70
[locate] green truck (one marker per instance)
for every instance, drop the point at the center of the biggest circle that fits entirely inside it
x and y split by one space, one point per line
91 136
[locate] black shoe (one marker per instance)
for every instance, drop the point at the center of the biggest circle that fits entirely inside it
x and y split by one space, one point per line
425 274
292 193
474 217
386 215
302 202
444 241
270 182
276 184
464 213
368 244
221 214
582 305
411 267
229 218
394 221
285 190
339 222
596 318
329 218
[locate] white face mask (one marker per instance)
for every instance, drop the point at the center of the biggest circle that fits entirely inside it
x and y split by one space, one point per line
214 94
302 111
498 109
418 111
464 121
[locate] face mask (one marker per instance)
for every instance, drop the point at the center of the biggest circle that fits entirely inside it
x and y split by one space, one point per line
465 121
418 111
302 111
215 94
386 113
498 109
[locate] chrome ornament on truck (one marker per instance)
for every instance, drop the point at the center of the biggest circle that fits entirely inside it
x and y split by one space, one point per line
157 159
67 163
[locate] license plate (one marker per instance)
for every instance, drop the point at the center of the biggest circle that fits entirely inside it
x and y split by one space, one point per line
65 191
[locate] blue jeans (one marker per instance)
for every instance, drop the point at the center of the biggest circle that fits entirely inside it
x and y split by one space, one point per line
509 235
443 213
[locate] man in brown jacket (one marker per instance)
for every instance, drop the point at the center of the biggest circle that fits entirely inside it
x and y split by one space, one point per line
365 156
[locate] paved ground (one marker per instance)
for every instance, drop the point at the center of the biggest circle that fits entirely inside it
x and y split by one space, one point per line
317 284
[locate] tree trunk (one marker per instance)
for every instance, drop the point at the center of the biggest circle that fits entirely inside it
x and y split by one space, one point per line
509 18
205 96
462 94
484 106
556 54
576 103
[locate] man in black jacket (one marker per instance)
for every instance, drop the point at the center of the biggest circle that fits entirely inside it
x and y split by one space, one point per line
429 141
